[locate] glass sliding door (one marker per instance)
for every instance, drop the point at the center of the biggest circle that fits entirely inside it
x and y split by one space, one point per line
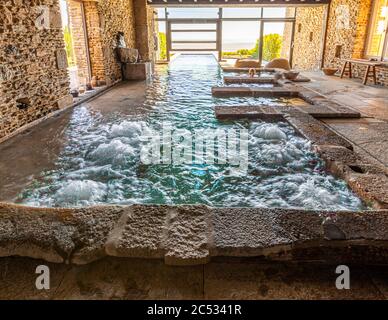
235 33
192 36
237 44
277 41
378 30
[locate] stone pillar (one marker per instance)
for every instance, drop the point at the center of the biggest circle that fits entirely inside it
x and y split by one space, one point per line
144 25
94 32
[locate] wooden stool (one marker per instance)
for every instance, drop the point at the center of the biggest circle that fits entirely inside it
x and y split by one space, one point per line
370 73
348 65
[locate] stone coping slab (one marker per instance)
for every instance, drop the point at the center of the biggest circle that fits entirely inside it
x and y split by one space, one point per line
265 113
259 79
319 106
315 131
247 79
272 112
186 235
255 92
258 70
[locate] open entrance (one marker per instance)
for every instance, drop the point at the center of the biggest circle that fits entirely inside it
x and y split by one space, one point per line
238 32
260 33
74 32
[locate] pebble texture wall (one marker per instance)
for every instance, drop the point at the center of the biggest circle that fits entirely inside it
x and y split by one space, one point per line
348 28
309 34
115 16
31 84
144 29
33 77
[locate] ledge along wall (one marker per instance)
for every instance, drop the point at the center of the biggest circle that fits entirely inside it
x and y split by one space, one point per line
33 68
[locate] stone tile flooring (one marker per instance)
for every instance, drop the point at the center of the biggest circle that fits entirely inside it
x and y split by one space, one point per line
370 133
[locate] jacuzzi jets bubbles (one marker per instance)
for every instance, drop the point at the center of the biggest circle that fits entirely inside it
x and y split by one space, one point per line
100 162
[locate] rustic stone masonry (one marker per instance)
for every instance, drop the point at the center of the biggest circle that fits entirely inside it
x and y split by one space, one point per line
192 235
105 19
93 25
32 83
144 30
351 37
33 68
308 38
115 16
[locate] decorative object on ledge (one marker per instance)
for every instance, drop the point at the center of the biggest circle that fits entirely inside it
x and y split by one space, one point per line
247 63
291 75
94 81
329 71
279 63
127 55
74 93
252 72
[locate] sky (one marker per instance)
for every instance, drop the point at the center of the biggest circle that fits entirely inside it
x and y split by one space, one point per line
64 15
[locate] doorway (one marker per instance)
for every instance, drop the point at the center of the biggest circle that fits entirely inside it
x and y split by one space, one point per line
276 40
77 50
259 33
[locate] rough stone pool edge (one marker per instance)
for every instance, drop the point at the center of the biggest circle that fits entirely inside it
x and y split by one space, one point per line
192 235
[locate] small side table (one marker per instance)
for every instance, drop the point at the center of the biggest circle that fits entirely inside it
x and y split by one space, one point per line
369 73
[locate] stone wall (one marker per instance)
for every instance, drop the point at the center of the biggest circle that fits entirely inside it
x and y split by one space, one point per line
348 28
94 31
309 35
116 16
31 84
104 20
144 30
343 30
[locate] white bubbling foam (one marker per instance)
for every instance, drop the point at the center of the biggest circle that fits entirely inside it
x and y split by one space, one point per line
129 129
115 152
81 192
269 132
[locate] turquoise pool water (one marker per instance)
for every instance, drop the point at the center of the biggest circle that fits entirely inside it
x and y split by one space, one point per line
100 163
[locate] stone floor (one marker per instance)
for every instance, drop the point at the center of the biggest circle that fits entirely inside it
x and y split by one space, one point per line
115 278
368 134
